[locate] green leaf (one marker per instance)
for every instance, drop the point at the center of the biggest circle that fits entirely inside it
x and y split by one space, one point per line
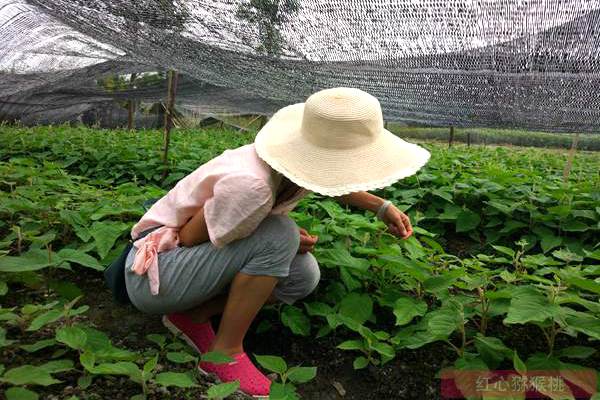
442 194
360 362
383 349
567 256
41 344
518 364
294 318
491 350
549 242
18 393
88 359
272 363
53 367
467 220
302 374
442 282
67 290
406 308
105 235
72 336
3 288
529 305
33 260
443 322
349 280
451 212
222 390
581 352
263 326
160 340
318 309
357 306
339 256
216 357
505 250
28 375
119 368
180 357
502 207
587 284
584 323
149 366
3 340
84 381
178 379
351 345
572 225
43 319
280 391
79 257
323 331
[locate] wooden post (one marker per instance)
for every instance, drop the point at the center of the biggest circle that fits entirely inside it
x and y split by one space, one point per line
171 93
131 104
469 139
569 164
451 138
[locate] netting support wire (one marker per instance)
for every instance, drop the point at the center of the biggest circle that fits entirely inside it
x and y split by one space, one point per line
569 164
171 93
131 104
451 137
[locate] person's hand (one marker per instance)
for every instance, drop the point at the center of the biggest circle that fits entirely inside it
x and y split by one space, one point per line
307 241
398 223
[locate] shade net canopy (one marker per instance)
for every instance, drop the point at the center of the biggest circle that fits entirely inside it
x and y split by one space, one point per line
527 64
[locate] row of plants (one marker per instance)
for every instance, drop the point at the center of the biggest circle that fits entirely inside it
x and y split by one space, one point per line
499 241
86 353
490 136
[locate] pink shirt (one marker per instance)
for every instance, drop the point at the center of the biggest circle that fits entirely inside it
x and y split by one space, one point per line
237 190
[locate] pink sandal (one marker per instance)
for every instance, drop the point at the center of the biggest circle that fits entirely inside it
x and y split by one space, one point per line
252 382
199 336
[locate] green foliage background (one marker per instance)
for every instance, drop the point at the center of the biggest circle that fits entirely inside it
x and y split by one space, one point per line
499 240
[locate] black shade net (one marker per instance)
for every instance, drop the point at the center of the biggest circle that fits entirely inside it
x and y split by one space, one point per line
527 64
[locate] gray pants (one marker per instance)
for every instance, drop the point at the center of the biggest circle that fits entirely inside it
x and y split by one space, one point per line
189 276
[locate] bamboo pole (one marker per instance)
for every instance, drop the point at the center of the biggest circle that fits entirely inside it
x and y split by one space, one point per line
131 104
263 121
171 93
569 164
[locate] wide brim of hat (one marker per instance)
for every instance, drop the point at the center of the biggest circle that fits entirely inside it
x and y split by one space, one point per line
335 172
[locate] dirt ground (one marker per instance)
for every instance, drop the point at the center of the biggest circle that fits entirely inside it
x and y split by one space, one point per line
411 375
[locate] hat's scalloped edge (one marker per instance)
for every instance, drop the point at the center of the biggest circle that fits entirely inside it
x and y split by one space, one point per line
345 189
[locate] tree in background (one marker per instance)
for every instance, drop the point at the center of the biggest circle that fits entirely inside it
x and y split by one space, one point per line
269 15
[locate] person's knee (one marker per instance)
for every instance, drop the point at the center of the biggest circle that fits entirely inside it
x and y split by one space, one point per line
274 245
280 233
307 274
302 280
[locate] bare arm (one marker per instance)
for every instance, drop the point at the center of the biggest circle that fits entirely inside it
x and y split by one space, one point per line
194 231
398 223
364 200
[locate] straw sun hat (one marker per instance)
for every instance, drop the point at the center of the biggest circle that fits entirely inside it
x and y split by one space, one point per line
335 144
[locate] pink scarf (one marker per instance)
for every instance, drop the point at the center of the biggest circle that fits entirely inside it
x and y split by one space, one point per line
146 257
